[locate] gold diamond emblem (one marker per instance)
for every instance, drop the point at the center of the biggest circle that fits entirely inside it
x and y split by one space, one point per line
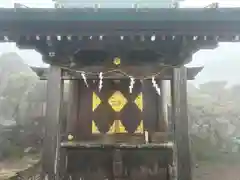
117 61
117 101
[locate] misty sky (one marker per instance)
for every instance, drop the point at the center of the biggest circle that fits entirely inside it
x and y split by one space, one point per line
223 63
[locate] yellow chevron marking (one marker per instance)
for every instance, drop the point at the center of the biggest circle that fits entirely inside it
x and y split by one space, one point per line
139 129
120 127
139 101
112 129
117 127
95 101
95 129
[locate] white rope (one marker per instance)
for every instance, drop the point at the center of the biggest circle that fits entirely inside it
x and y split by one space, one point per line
100 81
84 78
155 85
132 82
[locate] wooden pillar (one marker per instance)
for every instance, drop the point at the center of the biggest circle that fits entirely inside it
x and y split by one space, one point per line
73 107
150 106
180 120
51 144
162 104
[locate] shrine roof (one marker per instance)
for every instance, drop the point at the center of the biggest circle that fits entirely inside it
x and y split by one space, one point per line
180 21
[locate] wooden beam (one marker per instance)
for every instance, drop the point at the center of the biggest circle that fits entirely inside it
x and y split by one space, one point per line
180 120
51 146
167 75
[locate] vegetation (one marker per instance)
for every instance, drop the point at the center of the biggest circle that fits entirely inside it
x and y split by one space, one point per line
214 121
17 80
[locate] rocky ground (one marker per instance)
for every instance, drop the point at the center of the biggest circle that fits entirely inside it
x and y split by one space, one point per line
9 168
204 171
210 171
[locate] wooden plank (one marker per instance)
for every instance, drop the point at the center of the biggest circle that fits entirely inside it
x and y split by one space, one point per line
51 146
180 120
